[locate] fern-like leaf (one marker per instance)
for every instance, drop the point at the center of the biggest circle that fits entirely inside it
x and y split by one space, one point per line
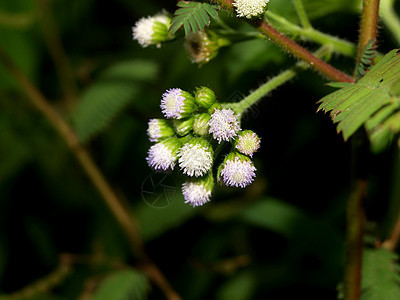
193 16
103 100
373 101
367 59
380 275
123 285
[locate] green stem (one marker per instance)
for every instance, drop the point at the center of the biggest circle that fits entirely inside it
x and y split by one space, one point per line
301 12
338 45
390 18
242 106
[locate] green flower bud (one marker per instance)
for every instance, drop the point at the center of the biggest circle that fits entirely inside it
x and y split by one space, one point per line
184 127
200 126
204 97
152 30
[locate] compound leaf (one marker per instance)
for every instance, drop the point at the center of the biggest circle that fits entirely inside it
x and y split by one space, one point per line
123 285
193 16
372 101
380 275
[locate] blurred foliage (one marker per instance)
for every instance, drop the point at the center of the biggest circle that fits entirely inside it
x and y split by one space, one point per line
283 237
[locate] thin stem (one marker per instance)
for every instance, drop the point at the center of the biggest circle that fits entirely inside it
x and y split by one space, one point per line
122 215
354 240
390 18
293 48
242 106
57 52
368 25
301 12
311 34
392 242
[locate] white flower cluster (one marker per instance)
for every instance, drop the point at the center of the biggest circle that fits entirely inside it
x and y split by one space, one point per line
250 8
193 125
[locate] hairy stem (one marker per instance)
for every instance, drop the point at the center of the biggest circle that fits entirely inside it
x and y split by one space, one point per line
245 104
368 25
57 52
301 12
293 48
354 240
390 18
93 172
338 45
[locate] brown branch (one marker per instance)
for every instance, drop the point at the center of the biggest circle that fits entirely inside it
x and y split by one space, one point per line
122 215
368 25
293 48
354 240
392 242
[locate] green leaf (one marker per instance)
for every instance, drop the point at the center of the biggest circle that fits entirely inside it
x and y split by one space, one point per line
115 89
380 275
240 287
368 101
367 58
193 16
123 285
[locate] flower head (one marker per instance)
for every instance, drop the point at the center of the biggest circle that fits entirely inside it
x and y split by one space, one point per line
237 170
163 155
224 124
151 30
195 157
198 192
177 104
159 128
247 142
250 8
203 46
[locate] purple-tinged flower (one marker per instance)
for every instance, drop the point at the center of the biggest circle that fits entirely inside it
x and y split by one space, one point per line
224 124
177 104
152 30
196 157
198 192
159 128
247 142
163 155
236 170
250 8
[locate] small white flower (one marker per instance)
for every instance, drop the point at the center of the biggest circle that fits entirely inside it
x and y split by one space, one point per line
159 128
237 170
250 8
196 193
195 157
176 103
224 124
151 30
163 155
247 142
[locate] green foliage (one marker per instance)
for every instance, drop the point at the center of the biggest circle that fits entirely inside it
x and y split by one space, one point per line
193 16
372 101
115 89
367 59
380 275
123 285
